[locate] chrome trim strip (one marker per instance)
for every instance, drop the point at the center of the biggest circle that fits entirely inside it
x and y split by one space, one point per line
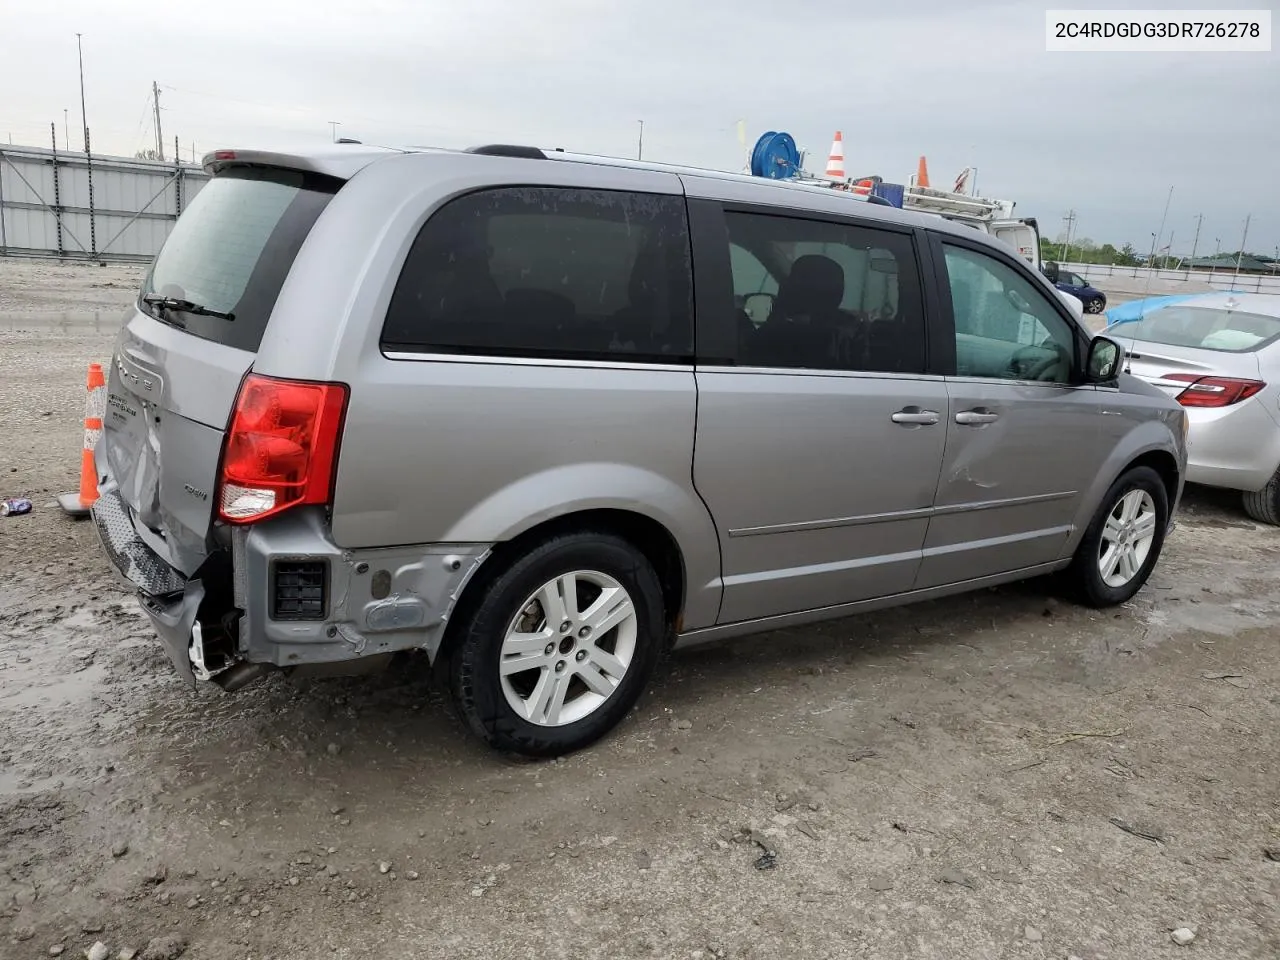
800 526
913 514
998 504
813 372
536 361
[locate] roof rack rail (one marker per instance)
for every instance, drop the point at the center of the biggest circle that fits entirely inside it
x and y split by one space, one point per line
508 150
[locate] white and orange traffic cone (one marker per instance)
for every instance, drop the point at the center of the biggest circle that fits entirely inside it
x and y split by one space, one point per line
77 504
835 162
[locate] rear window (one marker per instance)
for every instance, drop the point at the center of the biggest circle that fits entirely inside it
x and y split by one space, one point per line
548 272
1206 328
232 248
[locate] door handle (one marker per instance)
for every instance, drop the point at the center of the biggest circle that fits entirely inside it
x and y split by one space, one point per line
914 416
976 417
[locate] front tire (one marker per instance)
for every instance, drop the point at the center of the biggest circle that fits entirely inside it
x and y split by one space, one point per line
1123 542
561 645
1095 305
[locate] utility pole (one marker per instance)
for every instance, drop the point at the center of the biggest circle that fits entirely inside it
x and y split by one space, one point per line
1240 254
640 147
1155 237
155 94
84 120
1070 221
1169 256
1199 220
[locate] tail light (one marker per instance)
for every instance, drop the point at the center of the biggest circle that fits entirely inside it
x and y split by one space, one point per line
281 449
1213 391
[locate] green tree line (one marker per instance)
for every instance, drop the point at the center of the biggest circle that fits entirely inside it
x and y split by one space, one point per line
1085 250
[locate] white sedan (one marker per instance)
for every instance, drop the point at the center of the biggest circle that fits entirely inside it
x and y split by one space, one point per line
1219 356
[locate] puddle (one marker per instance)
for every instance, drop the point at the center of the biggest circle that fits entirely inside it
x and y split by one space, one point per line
59 698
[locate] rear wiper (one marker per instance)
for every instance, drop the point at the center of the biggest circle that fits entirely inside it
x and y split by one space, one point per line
185 306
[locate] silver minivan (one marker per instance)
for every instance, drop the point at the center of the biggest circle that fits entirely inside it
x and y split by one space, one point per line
543 416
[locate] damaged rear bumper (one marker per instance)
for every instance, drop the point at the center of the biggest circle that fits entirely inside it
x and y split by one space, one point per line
221 619
170 601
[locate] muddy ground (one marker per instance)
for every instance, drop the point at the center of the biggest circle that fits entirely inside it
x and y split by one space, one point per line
994 776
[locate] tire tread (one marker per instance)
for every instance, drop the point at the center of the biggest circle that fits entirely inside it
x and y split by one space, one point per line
1264 505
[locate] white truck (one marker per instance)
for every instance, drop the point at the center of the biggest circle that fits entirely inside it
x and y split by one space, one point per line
989 216
994 217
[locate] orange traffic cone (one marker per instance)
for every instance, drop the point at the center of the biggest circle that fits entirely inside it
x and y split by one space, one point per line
77 504
835 162
922 174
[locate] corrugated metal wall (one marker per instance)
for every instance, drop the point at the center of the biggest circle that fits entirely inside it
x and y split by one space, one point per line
59 204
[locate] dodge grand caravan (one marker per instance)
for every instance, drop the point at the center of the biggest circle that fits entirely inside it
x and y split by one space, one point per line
543 416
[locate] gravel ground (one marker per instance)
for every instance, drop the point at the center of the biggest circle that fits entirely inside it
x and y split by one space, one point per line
992 776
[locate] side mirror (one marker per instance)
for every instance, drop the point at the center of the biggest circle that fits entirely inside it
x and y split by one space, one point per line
758 306
1103 364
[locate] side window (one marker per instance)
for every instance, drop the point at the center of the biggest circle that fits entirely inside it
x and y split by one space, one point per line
838 297
1006 328
548 272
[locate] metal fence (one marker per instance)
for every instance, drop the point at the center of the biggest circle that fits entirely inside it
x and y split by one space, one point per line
83 206
1217 279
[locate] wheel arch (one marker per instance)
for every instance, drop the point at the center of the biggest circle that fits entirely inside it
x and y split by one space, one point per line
1144 448
1166 465
649 536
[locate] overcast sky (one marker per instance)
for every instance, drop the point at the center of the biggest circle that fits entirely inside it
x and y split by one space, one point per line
964 83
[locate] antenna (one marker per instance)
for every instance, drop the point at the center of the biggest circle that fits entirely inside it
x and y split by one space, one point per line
1194 243
1235 280
1142 311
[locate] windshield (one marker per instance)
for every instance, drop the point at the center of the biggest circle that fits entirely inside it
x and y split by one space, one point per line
231 249
1207 328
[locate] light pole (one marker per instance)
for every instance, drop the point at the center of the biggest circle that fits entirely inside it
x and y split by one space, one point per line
84 120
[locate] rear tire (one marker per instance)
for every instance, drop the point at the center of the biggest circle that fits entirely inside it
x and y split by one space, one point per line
1123 541
1264 505
1095 305
560 646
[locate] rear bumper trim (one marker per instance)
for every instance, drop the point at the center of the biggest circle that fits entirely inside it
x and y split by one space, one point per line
174 619
133 559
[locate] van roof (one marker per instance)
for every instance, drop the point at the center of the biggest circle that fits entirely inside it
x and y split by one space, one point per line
343 160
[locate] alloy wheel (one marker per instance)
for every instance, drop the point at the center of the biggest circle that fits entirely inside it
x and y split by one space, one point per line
568 648
1127 536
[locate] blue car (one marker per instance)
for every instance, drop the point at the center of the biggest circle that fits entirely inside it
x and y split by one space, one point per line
1094 300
